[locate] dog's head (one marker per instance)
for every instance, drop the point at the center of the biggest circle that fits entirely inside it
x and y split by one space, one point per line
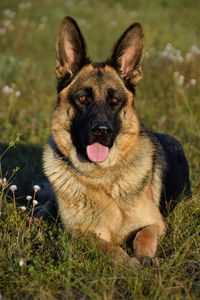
95 115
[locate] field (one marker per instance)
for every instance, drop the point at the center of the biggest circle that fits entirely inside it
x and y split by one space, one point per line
38 258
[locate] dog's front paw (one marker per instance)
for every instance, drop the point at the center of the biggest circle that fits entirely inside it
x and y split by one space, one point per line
133 263
147 262
145 244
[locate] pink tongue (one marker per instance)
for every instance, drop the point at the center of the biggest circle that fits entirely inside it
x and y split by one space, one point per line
97 152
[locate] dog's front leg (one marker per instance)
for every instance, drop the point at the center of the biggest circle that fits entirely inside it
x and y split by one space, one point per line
118 254
146 241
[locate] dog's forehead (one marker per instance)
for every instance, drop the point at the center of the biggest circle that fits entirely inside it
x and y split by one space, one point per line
99 76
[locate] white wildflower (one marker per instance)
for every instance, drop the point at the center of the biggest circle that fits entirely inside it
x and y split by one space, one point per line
176 75
35 202
13 188
7 90
193 81
180 58
28 198
36 188
188 56
4 182
171 53
23 208
24 5
113 24
41 26
21 262
17 93
194 50
9 13
169 47
8 24
180 80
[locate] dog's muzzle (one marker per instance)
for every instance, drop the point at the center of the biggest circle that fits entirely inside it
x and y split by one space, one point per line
98 150
101 129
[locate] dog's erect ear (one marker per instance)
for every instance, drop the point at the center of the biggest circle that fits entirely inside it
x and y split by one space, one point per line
127 54
70 48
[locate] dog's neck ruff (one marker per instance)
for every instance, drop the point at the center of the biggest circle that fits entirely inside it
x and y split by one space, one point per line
64 158
67 160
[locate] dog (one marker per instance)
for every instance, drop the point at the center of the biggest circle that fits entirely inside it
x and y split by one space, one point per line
110 175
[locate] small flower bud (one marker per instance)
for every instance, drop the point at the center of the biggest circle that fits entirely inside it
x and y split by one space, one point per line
28 198
181 80
7 90
4 180
17 93
193 81
21 262
35 202
36 188
13 188
23 208
188 56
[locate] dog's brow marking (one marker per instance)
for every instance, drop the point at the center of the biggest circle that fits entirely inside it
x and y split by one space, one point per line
99 65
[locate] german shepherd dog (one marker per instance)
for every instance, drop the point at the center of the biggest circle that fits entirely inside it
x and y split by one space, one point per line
110 175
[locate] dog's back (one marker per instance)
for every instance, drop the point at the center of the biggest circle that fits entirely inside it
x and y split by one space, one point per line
176 182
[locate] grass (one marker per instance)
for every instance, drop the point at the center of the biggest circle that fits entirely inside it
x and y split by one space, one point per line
39 259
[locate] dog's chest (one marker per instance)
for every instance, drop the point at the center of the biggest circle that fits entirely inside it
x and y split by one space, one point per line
99 209
107 205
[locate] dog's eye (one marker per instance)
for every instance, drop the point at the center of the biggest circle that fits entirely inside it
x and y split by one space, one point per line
82 99
114 101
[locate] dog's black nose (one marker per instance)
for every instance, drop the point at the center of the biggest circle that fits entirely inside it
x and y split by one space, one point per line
100 128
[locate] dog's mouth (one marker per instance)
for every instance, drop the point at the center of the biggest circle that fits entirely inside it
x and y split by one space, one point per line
97 152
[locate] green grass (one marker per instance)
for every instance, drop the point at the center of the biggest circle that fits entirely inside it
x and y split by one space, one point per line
58 264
